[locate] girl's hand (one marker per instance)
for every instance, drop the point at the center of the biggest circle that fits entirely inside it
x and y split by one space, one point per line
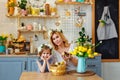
48 58
43 58
37 61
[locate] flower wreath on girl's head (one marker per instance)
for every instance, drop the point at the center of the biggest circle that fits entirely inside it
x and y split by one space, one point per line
42 45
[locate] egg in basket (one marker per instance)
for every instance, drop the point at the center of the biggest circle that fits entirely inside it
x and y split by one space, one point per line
59 68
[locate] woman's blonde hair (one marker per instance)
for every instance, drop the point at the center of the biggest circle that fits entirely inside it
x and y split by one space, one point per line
65 41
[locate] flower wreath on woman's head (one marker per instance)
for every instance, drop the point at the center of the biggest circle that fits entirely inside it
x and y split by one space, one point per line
42 45
56 30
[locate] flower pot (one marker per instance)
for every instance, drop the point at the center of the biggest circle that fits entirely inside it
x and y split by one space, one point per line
81 67
67 0
80 0
11 11
41 13
2 48
23 12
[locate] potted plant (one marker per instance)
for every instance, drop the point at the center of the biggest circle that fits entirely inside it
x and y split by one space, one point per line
10 5
84 49
3 38
22 6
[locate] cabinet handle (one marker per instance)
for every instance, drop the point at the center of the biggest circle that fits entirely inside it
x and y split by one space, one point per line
91 65
91 58
25 65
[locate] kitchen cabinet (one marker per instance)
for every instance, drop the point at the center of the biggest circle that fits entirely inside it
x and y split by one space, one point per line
32 65
94 64
11 68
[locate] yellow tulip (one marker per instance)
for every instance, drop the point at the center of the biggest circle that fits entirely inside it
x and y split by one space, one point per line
95 53
76 48
80 53
89 51
90 56
84 49
73 53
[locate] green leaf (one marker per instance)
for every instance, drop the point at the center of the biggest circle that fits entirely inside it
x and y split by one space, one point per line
83 29
80 33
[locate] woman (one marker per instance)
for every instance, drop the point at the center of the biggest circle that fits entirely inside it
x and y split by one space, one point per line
62 49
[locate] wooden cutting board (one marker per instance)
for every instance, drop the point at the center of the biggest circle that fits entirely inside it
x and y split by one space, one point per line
87 73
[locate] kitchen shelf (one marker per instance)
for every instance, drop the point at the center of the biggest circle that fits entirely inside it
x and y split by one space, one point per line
73 3
27 31
31 16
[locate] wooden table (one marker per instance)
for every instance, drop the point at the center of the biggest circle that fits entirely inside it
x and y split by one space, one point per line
49 76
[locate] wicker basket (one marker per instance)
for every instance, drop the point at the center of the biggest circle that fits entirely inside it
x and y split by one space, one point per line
58 69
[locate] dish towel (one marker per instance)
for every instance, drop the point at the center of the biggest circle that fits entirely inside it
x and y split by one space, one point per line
106 31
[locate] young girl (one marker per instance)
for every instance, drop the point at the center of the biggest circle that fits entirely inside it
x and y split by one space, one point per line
45 58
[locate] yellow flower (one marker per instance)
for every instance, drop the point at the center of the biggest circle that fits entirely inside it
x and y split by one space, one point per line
11 3
84 49
3 36
73 53
91 56
95 53
89 51
80 53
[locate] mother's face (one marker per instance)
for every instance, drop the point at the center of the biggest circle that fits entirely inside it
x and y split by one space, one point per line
57 40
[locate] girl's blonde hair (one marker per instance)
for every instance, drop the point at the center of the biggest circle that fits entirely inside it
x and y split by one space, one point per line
65 41
45 47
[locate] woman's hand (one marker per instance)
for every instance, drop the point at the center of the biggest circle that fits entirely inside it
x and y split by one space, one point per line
66 56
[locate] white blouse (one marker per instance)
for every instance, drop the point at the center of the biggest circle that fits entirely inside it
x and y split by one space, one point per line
58 58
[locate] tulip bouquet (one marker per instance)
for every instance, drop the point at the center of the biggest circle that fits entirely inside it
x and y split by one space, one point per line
84 46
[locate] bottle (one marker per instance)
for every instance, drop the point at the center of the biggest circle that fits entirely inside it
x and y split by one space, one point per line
10 48
31 46
47 9
6 51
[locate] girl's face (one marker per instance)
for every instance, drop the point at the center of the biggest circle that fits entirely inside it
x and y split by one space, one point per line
57 40
45 53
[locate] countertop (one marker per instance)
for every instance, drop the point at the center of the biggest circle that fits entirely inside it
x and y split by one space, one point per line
49 76
25 55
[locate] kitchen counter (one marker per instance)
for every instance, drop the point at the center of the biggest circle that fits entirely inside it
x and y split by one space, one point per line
14 65
49 76
4 55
